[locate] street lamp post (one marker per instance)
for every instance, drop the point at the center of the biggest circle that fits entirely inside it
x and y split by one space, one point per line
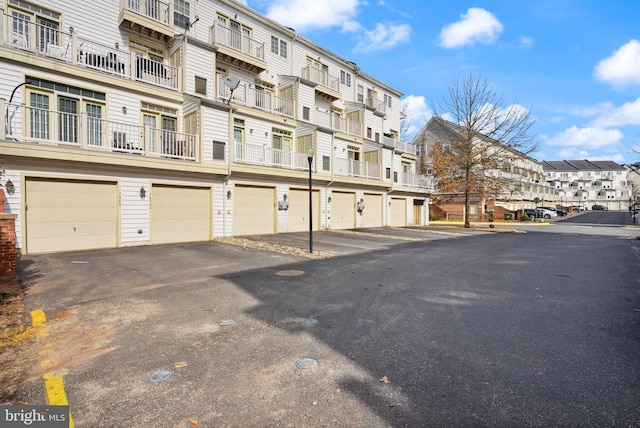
310 159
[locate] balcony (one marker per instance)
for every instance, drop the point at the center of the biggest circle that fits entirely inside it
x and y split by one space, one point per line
327 87
354 168
268 156
415 180
255 97
83 52
405 148
26 124
379 108
238 49
328 120
152 18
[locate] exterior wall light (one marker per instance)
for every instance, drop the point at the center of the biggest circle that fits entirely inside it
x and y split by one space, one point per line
143 193
228 194
11 188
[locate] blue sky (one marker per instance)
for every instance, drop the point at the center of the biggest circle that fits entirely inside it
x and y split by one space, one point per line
574 63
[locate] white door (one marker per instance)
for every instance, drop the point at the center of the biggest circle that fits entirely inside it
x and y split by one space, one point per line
398 212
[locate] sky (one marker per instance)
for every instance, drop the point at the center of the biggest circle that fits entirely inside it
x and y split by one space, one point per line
574 64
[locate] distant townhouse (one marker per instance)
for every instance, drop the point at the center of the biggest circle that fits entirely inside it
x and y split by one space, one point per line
172 121
526 186
586 183
633 177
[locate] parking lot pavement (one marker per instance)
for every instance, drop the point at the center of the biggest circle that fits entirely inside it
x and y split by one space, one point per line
343 242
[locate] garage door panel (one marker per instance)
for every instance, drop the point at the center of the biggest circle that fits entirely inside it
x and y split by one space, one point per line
180 214
343 211
253 210
298 213
372 216
65 215
398 212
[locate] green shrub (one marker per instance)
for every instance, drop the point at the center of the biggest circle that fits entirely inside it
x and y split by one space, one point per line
434 217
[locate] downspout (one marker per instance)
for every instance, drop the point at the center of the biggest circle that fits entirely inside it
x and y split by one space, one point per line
225 180
326 186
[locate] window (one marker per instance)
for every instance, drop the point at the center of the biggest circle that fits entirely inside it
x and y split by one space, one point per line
162 123
326 163
54 112
387 173
181 13
306 113
45 30
360 94
279 47
281 139
369 133
418 150
345 78
304 143
201 85
387 100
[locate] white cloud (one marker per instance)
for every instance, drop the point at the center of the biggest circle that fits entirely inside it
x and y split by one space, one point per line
587 138
621 69
477 25
383 37
417 113
305 15
526 42
627 114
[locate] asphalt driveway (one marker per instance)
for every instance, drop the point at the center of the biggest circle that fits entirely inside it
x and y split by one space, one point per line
463 329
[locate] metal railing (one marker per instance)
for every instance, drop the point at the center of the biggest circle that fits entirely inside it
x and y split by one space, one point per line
332 121
321 77
269 156
237 41
156 10
36 125
255 97
376 104
354 168
70 48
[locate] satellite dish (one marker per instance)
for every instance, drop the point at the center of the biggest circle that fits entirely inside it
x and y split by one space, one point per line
231 82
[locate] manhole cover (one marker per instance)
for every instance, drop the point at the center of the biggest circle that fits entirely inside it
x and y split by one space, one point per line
306 363
159 376
291 272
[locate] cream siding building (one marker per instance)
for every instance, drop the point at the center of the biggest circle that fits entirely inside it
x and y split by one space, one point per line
159 122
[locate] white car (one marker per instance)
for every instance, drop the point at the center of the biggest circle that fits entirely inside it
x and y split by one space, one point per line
545 213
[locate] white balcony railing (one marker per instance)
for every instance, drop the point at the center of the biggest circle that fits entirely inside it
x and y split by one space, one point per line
354 168
320 77
376 104
73 49
35 125
255 97
415 180
156 10
337 123
237 41
269 156
405 148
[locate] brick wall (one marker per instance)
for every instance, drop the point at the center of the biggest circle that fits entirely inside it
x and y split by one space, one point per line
8 252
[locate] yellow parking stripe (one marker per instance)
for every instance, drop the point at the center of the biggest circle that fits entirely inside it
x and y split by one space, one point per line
54 385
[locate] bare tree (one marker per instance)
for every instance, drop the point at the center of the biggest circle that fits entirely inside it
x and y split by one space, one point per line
482 137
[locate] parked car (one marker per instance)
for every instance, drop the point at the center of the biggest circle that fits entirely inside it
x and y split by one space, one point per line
530 212
561 212
579 208
545 212
599 208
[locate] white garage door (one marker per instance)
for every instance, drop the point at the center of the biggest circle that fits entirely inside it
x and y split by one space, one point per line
180 214
343 210
398 212
372 216
253 210
298 213
64 215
